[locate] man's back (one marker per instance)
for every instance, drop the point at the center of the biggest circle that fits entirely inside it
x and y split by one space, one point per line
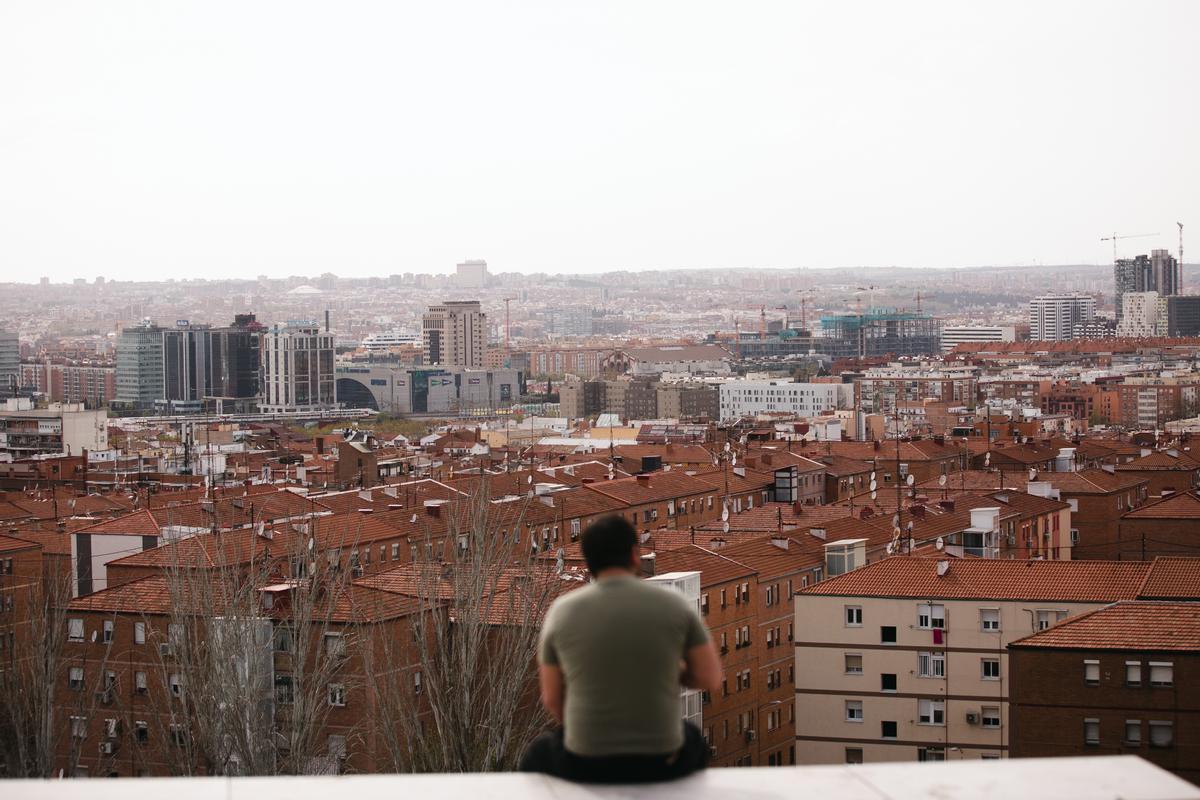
619 643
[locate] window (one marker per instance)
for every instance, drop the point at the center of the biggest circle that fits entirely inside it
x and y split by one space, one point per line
75 678
337 694
139 682
1047 618
283 639
854 665
1091 731
79 727
931 665
931 754
931 615
990 669
704 604
989 619
416 683
335 645
395 550
854 755
931 712
724 602
139 633
854 711
175 683
285 691
1133 673
887 729
1162 733
108 631
75 630
1133 732
887 634
1162 673
175 634
990 716
141 731
887 682
1091 672
853 616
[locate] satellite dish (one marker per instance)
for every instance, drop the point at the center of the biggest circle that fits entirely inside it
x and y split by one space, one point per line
733 459
873 493
896 533
414 518
874 485
910 480
1032 474
891 548
724 513
987 459
311 544
725 527
940 544
529 479
941 480
896 522
872 476
93 637
727 447
909 526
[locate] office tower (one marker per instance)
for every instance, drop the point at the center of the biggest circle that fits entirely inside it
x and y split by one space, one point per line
1131 275
965 334
185 362
1053 317
139 367
233 363
1183 315
471 274
297 369
455 334
1165 270
10 363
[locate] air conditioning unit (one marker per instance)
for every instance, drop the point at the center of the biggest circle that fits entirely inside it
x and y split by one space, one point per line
107 748
165 649
972 718
750 735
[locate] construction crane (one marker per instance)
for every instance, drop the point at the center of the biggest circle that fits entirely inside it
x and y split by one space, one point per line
784 309
1115 237
804 307
762 323
858 296
1180 267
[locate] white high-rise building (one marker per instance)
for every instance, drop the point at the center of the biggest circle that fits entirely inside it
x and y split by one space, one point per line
297 369
1145 315
471 274
10 362
1053 317
455 334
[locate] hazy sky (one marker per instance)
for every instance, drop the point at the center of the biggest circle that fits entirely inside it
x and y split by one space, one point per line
241 138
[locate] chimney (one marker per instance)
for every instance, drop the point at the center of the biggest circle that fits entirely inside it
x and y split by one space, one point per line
948 505
918 511
715 543
434 508
943 567
797 508
816 533
643 479
875 445
1167 491
648 565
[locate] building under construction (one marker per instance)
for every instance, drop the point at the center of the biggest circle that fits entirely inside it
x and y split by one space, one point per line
880 331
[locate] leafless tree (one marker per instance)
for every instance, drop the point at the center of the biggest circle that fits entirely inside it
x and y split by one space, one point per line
459 693
30 675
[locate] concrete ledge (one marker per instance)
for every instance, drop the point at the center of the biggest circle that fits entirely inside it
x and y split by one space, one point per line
1095 778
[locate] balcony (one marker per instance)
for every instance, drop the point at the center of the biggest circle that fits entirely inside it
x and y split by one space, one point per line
1093 778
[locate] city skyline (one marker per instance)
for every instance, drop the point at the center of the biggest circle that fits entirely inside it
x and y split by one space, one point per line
566 140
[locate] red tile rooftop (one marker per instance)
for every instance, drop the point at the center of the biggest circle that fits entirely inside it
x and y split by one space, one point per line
1141 625
1184 505
1172 577
991 579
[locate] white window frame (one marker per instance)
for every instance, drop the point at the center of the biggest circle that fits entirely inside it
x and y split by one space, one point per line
336 695
983 669
1091 724
1162 673
927 616
931 712
75 630
1091 672
987 623
986 716
1133 673
853 616
846 664
139 633
1133 725
854 711
931 664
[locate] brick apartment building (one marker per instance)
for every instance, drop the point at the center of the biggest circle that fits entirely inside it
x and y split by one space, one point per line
1121 680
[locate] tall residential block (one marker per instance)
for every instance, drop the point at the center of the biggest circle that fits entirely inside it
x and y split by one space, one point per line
297 369
10 363
1158 272
471 274
1053 317
1145 315
455 334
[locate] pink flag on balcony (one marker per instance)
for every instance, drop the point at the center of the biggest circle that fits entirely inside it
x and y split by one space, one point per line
937 635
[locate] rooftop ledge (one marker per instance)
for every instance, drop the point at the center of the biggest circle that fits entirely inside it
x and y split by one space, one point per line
1094 778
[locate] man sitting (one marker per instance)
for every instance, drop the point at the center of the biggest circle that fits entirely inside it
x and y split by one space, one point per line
612 659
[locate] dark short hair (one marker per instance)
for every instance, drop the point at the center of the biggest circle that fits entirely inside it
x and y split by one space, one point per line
609 542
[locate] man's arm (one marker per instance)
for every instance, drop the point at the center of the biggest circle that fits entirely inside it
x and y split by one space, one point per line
553 689
702 668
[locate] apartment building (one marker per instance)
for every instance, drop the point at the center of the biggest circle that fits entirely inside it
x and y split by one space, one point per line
749 398
1053 317
140 367
10 362
59 428
1122 680
455 334
954 335
94 385
905 659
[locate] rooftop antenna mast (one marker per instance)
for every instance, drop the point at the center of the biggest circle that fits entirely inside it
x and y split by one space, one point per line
1179 266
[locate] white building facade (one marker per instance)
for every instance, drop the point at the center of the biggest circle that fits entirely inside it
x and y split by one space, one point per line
297 369
742 398
1053 317
954 336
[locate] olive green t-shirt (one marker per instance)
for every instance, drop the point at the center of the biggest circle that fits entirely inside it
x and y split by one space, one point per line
619 642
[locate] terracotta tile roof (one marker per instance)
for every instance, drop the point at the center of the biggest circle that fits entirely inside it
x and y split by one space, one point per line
654 488
53 542
991 579
1131 625
1090 481
10 544
207 550
1183 505
770 518
1161 460
714 568
910 451
139 523
1172 577
771 561
841 466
